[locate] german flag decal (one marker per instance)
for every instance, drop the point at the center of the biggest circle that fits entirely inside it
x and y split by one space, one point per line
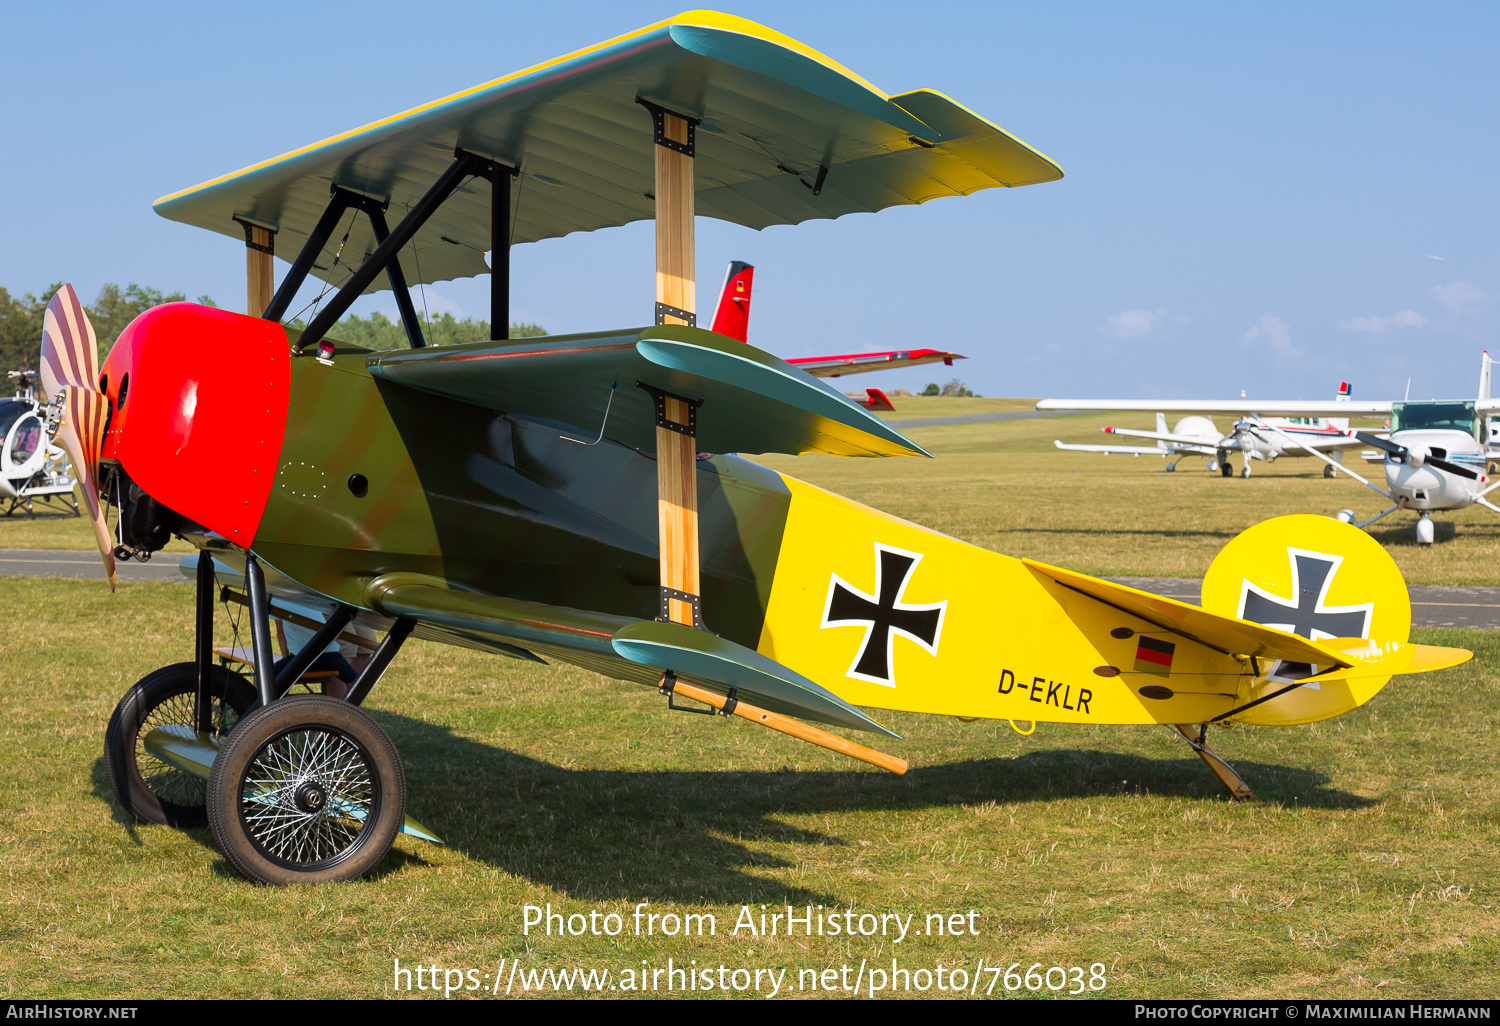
1152 656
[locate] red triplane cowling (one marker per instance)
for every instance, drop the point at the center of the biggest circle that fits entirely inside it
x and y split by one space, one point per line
199 403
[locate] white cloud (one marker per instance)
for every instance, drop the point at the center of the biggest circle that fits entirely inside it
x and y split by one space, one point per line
1380 325
1459 295
1273 333
1133 323
1431 257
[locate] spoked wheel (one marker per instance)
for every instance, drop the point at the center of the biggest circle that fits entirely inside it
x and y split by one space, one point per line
306 790
150 789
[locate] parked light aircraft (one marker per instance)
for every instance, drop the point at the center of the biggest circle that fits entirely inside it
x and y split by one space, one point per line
732 318
440 492
31 471
1257 438
1435 456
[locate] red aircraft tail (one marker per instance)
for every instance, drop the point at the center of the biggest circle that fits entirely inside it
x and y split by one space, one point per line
732 317
875 400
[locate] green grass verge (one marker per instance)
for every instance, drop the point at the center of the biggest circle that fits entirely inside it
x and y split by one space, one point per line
1365 870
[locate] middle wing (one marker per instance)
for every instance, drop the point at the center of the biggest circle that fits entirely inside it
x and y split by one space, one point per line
751 401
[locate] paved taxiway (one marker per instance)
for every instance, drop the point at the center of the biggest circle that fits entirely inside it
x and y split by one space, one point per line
1431 605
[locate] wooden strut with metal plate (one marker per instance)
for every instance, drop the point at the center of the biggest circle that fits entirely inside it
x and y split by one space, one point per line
260 272
1238 790
676 438
676 416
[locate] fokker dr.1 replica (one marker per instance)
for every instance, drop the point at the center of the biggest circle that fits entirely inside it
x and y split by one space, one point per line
556 498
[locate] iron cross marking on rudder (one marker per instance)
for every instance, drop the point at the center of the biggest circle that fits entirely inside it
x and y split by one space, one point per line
1306 614
883 614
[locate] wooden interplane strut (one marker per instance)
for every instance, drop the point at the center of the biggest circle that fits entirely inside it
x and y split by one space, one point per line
260 280
676 417
676 301
677 508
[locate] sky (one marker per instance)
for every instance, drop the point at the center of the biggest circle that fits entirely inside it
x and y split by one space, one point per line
1268 197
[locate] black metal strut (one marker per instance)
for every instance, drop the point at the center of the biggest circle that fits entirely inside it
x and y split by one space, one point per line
465 165
293 671
203 645
260 629
375 668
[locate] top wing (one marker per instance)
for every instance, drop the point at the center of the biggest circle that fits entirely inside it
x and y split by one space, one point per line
858 363
786 135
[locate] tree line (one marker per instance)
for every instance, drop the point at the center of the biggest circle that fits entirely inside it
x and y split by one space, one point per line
115 307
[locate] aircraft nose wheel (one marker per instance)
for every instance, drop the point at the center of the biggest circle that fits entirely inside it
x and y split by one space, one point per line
152 790
1426 531
306 790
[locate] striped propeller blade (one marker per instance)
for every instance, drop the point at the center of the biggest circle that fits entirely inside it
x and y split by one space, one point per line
70 352
70 364
81 434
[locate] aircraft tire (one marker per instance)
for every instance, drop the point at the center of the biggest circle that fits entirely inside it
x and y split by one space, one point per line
1225 470
1329 471
306 790
149 789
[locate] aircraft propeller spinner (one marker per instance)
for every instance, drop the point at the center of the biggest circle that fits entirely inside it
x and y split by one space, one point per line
78 411
1416 455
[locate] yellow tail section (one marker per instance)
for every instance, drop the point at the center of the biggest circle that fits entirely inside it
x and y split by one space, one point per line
890 615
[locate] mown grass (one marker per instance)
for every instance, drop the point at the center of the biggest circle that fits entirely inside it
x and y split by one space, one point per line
1365 870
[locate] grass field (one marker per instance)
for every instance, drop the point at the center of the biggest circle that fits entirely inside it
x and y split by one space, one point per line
1366 870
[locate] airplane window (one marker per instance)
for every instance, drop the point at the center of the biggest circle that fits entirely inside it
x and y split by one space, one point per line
1449 416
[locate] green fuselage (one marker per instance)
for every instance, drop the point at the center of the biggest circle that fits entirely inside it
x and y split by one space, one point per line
498 504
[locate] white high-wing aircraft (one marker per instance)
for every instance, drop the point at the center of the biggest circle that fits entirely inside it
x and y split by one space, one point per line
1257 437
1435 457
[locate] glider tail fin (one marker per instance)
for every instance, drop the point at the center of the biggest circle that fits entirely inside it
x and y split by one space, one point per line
732 316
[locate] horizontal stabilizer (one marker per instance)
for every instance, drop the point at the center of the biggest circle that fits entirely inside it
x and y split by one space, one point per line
1120 450
752 401
715 660
1224 633
1371 659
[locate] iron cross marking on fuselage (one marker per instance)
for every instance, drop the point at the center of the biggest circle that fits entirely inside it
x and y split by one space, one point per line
883 613
1307 615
